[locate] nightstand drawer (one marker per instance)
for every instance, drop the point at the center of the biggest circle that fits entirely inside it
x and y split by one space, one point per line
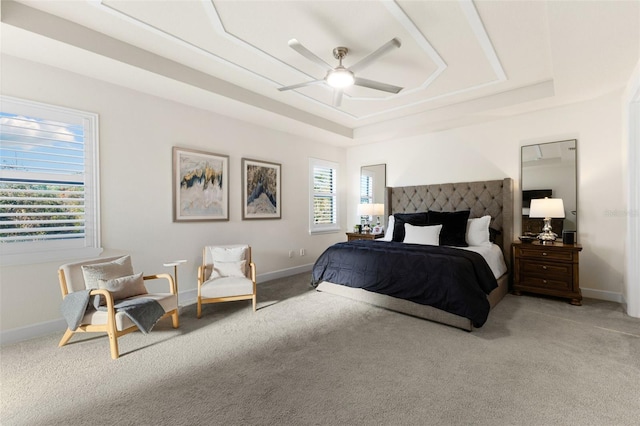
547 269
547 283
538 253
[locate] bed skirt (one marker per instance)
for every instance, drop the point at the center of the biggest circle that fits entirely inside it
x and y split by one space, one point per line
411 308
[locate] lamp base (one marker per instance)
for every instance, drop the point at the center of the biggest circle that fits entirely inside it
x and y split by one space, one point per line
547 236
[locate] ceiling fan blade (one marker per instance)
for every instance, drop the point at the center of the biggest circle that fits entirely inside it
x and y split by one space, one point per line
367 60
295 45
299 85
377 85
337 97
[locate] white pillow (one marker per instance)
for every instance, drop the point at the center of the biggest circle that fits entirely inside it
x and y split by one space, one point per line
106 271
388 234
478 231
426 235
227 254
228 269
123 287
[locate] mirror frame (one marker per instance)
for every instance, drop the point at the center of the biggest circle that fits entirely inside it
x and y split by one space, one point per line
575 177
379 192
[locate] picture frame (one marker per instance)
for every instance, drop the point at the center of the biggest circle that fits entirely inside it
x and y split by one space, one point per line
261 190
200 185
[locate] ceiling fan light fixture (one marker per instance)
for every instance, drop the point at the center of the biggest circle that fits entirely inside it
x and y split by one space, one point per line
340 78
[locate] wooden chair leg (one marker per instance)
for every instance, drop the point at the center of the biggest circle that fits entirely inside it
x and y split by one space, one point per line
65 339
113 343
254 303
199 308
175 320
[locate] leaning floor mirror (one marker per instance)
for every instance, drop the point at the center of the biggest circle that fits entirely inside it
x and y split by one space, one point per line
549 170
373 180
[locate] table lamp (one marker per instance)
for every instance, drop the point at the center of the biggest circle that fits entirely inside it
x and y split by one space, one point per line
378 209
365 210
547 208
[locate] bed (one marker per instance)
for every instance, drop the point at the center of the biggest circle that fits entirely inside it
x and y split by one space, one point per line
492 198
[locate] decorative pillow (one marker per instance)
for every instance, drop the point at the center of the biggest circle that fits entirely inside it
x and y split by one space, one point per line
426 235
228 269
388 235
454 227
417 219
478 231
123 287
106 271
227 254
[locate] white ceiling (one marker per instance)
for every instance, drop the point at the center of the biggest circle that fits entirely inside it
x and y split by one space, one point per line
460 62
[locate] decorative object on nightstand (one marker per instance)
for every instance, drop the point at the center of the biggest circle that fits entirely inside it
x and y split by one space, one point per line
547 208
355 236
547 268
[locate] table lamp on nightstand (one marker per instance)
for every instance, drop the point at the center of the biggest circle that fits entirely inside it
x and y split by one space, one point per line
365 210
371 210
378 210
547 209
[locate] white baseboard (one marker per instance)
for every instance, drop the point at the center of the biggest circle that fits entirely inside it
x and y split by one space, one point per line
283 273
609 296
29 332
185 298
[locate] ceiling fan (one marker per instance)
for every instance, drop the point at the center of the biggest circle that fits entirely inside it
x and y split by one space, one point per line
340 77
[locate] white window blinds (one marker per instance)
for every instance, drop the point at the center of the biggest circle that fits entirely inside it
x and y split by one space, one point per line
48 190
324 205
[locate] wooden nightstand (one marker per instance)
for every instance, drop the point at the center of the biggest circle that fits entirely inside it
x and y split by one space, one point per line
550 269
354 236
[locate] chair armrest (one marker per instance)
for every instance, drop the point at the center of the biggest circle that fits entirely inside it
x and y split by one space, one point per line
107 295
168 277
253 271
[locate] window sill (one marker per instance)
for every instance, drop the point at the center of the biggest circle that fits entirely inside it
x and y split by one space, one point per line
324 231
49 256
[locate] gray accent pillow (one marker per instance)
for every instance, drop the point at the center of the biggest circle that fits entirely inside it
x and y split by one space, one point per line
106 271
123 287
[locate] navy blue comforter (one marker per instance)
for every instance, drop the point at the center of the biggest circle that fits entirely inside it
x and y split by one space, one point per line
447 278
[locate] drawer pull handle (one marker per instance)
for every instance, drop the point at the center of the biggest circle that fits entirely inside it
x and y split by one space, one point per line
544 253
544 267
544 281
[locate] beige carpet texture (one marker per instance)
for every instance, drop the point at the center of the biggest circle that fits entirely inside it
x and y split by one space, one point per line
311 358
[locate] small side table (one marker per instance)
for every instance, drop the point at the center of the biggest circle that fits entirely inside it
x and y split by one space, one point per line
550 269
354 236
175 264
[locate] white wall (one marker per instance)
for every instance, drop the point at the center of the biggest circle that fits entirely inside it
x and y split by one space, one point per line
492 151
631 120
137 133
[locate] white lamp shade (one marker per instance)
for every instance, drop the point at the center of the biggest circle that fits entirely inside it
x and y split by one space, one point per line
365 209
378 209
546 208
370 209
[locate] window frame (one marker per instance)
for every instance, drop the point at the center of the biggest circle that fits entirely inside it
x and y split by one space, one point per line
89 246
323 228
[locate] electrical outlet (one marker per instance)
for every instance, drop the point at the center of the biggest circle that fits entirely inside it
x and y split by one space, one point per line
290 253
302 252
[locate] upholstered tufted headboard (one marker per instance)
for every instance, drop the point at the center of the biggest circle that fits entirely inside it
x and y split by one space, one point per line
493 197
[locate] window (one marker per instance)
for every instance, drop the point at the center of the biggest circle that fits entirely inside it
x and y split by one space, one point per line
48 182
324 199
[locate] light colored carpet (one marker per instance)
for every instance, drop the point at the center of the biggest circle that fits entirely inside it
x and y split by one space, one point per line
309 358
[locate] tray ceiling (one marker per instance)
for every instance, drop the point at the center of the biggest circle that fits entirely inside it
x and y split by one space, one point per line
459 60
